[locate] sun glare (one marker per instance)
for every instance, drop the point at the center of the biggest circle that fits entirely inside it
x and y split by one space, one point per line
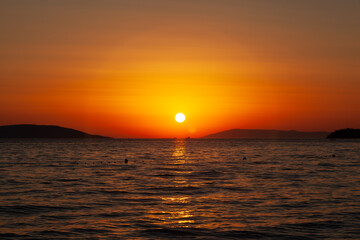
180 117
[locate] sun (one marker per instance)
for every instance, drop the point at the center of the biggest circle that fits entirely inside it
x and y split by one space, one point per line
180 117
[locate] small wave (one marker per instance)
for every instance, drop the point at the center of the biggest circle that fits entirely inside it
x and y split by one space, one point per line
211 173
33 209
316 225
57 217
325 164
52 233
68 180
170 232
89 230
12 236
201 233
113 192
175 189
237 189
13 181
177 169
116 215
166 175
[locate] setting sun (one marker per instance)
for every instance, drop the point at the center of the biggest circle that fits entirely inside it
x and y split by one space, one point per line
180 117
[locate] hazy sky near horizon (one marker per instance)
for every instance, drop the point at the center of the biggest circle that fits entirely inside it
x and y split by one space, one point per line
125 68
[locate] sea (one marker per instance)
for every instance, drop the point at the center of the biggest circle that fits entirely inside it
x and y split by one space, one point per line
179 189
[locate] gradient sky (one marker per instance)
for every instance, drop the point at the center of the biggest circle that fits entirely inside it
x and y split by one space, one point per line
125 68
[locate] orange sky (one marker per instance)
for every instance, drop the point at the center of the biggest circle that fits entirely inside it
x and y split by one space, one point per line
125 68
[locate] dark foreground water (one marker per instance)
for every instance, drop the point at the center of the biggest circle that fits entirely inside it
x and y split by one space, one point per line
178 189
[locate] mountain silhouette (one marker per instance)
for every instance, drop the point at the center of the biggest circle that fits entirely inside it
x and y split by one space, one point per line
345 133
266 134
42 131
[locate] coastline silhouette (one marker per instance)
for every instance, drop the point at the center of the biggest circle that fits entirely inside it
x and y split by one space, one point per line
266 134
42 131
345 133
53 131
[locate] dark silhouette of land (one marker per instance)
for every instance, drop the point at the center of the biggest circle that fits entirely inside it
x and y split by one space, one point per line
266 134
42 131
345 133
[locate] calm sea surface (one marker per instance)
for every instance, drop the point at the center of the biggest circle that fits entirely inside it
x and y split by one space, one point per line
179 189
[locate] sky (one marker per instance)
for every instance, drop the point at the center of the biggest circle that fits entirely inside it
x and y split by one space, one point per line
124 68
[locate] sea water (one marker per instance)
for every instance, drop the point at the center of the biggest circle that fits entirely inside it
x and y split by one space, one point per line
185 189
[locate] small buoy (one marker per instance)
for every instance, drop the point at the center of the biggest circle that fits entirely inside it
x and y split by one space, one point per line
126 161
244 158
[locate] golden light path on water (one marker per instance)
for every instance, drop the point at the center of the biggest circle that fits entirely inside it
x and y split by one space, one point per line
176 212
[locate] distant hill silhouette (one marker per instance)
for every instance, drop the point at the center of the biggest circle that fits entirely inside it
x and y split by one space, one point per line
266 134
42 131
345 133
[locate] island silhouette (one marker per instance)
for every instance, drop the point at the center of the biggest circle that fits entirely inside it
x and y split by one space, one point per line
42 131
345 133
266 134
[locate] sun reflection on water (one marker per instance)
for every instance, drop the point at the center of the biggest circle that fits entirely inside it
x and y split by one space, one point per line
179 154
175 209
